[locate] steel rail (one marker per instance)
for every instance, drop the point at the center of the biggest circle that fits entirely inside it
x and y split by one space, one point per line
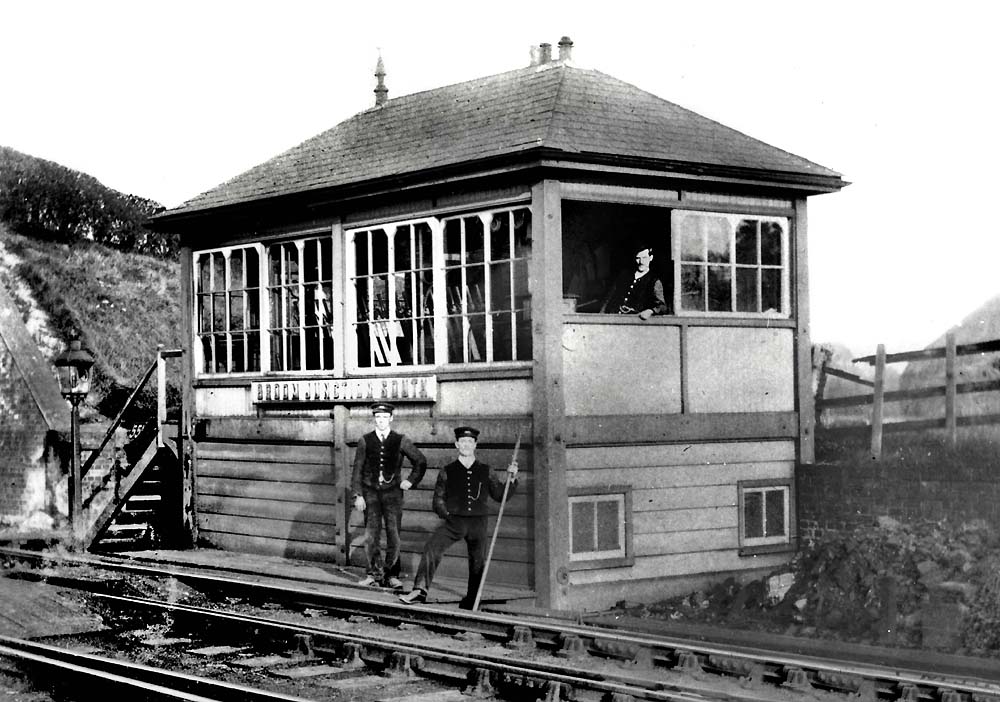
152 683
763 665
423 656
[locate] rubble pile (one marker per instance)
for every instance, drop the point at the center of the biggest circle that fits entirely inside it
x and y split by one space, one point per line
932 585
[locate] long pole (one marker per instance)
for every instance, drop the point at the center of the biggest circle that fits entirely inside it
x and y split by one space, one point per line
75 501
496 528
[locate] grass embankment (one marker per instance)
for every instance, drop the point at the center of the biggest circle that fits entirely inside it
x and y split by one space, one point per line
122 305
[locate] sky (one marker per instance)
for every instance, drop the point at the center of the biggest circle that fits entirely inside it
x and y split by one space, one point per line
168 99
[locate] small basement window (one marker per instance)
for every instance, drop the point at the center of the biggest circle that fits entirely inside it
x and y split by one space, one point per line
765 513
600 527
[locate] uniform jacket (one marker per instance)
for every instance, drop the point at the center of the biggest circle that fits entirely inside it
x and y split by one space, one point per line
636 295
373 459
465 492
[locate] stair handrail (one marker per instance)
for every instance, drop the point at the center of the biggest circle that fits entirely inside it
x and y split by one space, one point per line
92 459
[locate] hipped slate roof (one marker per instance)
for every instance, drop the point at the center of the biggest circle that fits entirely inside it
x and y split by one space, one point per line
555 107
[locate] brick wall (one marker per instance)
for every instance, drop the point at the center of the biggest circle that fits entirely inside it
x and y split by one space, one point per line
837 498
24 463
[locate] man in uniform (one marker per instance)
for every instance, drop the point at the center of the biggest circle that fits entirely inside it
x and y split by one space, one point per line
637 292
461 499
378 487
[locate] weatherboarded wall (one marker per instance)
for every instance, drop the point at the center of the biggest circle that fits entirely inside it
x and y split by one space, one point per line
685 518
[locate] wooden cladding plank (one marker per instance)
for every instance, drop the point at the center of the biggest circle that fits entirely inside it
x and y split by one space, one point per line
268 453
666 428
277 430
518 502
685 497
665 521
279 472
685 541
496 431
284 548
725 560
680 454
268 528
267 490
268 509
511 526
682 476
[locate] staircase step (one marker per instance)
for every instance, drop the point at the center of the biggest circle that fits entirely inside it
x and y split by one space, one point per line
150 500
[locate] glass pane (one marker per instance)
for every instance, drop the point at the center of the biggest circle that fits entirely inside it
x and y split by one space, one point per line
774 524
238 341
475 290
236 312
693 288
770 243
401 249
474 252
327 343
456 344
424 343
522 233
404 295
521 298
206 347
252 267
277 358
294 350
380 251
719 289
718 240
477 338
204 263
204 313
404 342
608 526
253 352
502 345
746 290
362 303
220 353
219 271
274 265
581 520
500 286
380 297
453 242
524 335
770 290
253 311
277 314
753 515
692 239
500 236
310 256
424 245
236 270
219 312
361 253
326 258
292 297
364 346
312 348
746 241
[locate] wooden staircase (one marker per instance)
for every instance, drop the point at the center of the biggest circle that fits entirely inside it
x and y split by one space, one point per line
133 500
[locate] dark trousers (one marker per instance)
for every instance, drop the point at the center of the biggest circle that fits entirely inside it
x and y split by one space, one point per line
383 508
473 530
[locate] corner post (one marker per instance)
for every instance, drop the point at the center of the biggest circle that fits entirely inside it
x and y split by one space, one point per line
803 344
551 507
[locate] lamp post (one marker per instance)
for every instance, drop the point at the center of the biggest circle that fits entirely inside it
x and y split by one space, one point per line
73 366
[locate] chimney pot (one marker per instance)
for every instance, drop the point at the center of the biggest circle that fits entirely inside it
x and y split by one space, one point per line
535 55
545 51
565 49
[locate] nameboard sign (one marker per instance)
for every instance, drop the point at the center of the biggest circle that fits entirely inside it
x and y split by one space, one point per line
421 388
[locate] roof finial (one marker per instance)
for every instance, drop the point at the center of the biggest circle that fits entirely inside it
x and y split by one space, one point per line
381 92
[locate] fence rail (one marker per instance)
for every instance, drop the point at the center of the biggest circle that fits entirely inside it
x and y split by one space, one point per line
879 396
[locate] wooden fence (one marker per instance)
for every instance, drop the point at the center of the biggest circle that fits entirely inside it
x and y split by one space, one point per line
878 397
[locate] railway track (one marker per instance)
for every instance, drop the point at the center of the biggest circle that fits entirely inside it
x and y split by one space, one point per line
556 659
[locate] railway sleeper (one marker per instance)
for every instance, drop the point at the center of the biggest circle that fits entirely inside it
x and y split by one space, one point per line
748 671
859 686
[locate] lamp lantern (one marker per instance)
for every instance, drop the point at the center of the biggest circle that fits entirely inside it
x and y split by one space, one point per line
73 368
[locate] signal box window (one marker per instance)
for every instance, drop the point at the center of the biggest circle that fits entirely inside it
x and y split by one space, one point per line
600 527
729 263
227 299
765 513
300 285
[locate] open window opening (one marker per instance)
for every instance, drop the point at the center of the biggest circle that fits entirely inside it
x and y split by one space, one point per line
600 526
604 267
766 511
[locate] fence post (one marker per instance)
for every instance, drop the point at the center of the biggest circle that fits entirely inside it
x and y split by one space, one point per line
161 394
951 389
821 377
877 392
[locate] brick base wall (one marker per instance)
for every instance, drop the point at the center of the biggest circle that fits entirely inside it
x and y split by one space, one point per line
838 498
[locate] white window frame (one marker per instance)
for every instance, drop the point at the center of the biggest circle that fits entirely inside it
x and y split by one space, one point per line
618 494
263 312
762 488
732 265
